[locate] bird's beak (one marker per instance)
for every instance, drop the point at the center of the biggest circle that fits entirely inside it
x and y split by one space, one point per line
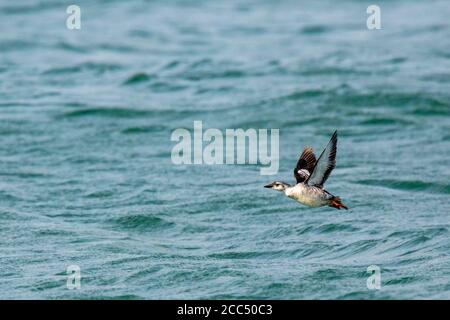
268 185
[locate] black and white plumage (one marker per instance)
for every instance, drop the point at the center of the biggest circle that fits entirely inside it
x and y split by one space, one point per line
311 175
305 165
325 164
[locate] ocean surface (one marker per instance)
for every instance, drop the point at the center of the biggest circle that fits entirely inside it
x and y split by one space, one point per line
86 176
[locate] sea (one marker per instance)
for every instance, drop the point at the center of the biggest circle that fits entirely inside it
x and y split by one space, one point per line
92 205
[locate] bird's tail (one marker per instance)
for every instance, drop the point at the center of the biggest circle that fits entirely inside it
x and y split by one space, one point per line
335 202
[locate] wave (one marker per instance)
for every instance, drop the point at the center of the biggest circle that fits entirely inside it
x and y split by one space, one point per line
118 112
331 70
333 227
431 232
142 222
13 45
386 121
302 94
412 185
138 78
98 67
437 110
107 112
71 47
416 241
249 254
391 99
354 248
207 75
145 129
402 280
437 77
31 8
315 29
165 86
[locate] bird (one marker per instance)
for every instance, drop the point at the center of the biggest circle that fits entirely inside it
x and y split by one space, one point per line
311 175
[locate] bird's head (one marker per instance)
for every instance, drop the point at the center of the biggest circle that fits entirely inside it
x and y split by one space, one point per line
277 185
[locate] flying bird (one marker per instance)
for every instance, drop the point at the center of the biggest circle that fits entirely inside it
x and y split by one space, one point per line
311 175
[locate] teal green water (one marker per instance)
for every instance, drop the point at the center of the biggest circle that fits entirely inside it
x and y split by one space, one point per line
86 176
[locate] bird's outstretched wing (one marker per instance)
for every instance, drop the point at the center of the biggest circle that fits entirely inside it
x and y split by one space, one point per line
306 161
325 164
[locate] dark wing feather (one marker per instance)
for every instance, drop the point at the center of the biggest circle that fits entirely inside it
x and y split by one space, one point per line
306 161
325 164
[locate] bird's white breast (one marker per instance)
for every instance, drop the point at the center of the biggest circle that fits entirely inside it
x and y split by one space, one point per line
308 195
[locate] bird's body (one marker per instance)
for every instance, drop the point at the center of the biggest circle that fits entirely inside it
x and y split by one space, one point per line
311 176
309 195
